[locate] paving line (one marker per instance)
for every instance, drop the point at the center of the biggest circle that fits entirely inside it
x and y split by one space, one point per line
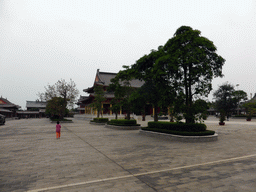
141 174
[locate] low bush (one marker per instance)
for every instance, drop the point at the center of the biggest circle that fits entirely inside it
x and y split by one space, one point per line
244 116
184 133
100 120
181 127
123 122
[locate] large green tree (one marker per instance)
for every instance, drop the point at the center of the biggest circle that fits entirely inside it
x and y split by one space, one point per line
181 71
191 62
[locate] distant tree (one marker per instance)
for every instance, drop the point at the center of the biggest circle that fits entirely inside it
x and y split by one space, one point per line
63 89
54 108
227 99
250 108
99 98
122 89
240 96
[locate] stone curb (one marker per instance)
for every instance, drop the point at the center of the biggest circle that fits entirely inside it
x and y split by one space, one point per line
94 123
123 127
62 122
181 138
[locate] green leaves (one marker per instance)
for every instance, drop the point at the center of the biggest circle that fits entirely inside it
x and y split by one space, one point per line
227 99
55 106
176 73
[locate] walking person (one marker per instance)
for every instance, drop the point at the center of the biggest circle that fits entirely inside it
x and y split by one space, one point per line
58 127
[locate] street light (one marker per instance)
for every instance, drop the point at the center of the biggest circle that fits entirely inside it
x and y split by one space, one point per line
237 86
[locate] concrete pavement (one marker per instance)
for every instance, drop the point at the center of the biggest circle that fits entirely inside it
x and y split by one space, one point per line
94 158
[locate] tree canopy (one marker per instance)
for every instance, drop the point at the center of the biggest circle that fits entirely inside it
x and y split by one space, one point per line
181 71
65 90
54 108
122 89
191 62
227 99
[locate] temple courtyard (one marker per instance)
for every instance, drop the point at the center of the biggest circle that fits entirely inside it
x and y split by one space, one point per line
94 158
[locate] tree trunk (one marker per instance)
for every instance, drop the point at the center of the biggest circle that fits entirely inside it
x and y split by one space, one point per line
98 114
189 106
128 115
155 115
186 93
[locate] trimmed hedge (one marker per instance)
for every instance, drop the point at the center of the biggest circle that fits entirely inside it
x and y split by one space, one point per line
100 120
245 116
180 127
183 133
123 122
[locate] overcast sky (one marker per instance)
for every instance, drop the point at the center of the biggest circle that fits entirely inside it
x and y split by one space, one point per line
43 41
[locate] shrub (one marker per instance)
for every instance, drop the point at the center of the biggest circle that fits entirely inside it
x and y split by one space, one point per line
123 122
182 127
100 120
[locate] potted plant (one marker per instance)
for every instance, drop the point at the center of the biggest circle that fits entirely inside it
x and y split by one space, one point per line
250 109
249 117
222 118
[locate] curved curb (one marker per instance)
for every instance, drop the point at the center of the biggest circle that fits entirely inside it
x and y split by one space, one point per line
61 122
181 138
123 127
94 123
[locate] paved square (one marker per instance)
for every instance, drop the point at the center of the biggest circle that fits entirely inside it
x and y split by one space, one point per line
94 158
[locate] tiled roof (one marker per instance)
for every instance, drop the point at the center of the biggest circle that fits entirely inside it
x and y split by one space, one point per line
5 110
36 104
81 99
4 103
104 78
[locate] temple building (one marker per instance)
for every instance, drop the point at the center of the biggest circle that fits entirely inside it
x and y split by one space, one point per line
81 108
103 79
7 108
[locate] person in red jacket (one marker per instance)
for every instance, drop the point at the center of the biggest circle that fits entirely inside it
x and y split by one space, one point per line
58 127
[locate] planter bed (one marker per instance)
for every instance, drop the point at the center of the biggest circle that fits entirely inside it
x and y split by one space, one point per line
181 138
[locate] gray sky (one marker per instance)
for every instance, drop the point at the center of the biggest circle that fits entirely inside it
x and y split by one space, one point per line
42 41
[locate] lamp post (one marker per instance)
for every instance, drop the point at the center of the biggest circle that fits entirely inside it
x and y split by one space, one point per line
238 111
237 86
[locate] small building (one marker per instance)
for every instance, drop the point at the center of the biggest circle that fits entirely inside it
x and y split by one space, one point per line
7 108
35 109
